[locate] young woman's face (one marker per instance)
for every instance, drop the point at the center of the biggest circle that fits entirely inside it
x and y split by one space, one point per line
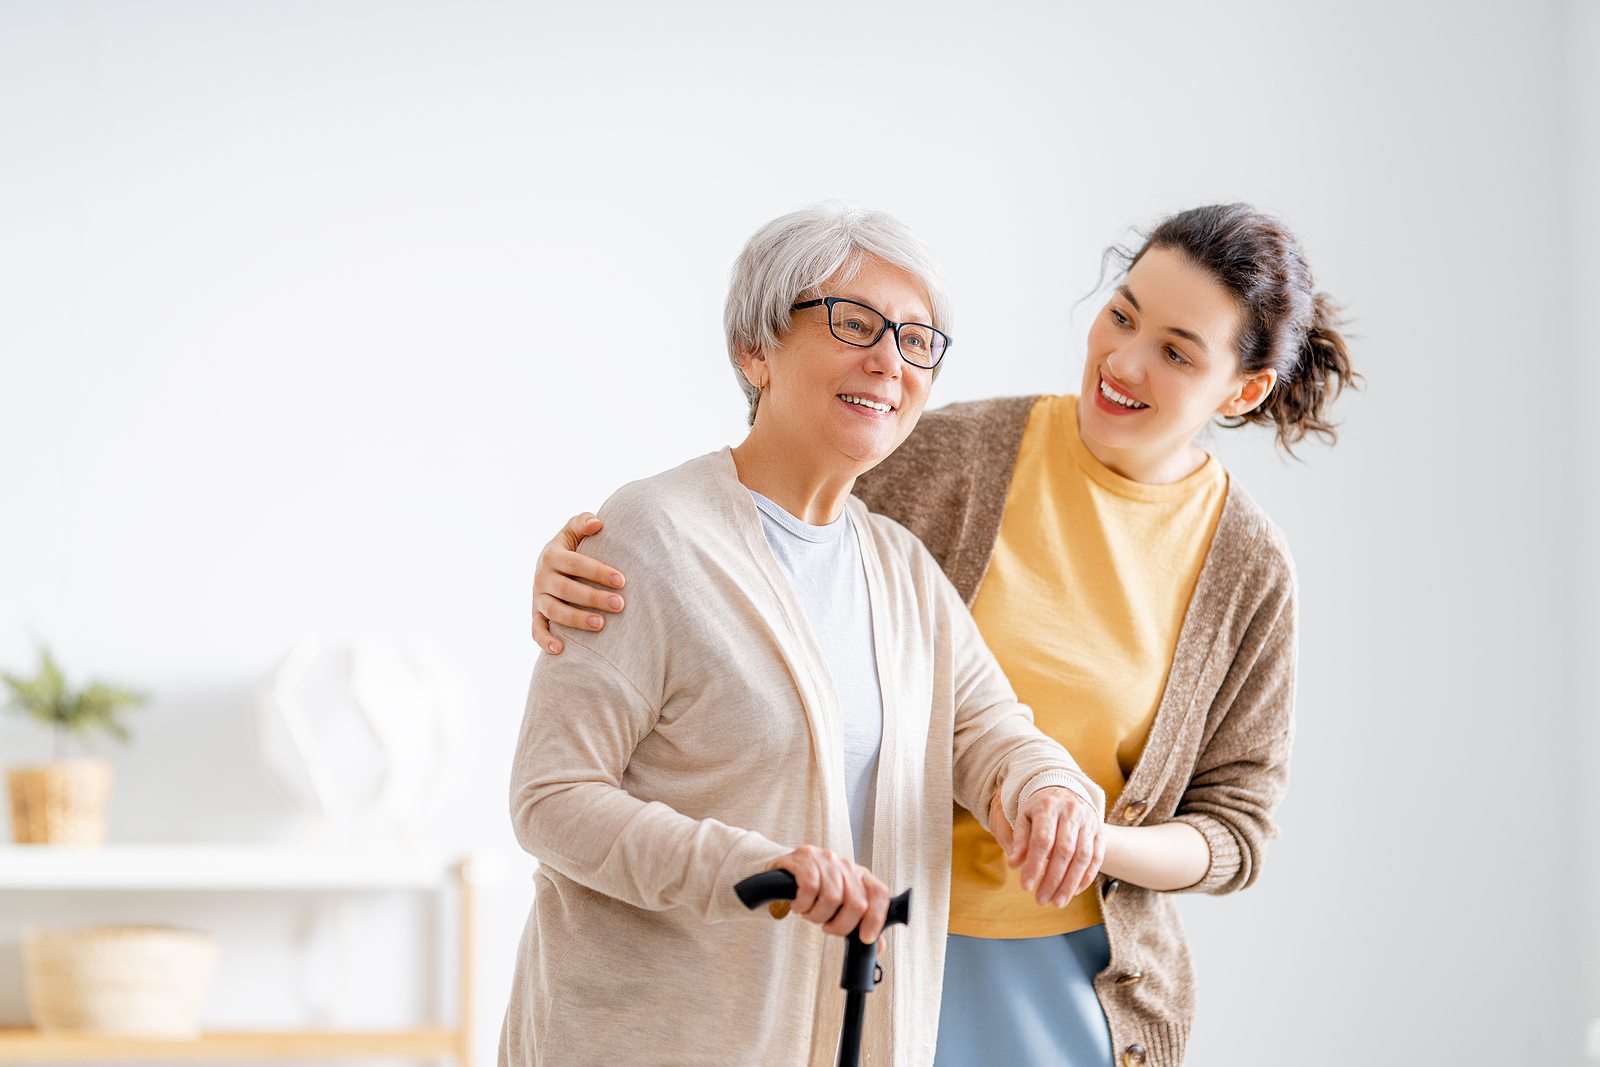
1161 359
837 401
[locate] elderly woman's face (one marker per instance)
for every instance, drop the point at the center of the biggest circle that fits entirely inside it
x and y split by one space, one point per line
823 394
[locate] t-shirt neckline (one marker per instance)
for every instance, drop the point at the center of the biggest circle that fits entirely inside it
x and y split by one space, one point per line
1107 478
799 527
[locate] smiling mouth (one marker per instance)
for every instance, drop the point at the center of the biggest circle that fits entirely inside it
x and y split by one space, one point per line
1118 398
863 402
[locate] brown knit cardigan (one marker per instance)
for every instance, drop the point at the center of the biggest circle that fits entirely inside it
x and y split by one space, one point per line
1217 756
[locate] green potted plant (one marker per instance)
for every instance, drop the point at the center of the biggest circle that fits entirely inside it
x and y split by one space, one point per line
64 802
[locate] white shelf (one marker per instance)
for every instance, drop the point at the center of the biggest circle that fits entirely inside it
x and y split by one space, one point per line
212 867
430 1043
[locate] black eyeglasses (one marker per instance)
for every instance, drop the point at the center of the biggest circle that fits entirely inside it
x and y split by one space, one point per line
855 323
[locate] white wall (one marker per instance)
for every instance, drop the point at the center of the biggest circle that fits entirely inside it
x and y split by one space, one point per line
1582 67
321 316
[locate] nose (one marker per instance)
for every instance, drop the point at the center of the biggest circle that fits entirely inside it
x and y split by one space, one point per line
1123 362
883 358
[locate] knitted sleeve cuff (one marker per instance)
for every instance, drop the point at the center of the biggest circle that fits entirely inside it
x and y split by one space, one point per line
1226 858
1078 783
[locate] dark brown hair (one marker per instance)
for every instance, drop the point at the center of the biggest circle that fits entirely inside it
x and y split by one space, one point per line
1285 324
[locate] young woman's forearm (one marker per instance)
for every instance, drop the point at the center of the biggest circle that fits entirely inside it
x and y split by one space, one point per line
1172 855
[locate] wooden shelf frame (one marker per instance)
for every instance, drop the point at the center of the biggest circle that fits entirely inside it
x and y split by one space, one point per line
27 1045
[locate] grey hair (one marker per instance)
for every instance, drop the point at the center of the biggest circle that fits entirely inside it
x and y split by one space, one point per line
791 257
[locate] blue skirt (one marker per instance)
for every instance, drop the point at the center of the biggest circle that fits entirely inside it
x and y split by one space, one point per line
1024 1002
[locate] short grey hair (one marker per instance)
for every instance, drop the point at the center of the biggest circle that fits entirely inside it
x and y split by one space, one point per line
791 257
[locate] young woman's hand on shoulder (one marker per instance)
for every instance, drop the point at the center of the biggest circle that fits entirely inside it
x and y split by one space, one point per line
557 594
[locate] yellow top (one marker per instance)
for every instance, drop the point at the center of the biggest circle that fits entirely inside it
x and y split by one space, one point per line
1082 605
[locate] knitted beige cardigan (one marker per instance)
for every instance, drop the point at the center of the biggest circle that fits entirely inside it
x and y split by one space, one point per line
695 739
1217 756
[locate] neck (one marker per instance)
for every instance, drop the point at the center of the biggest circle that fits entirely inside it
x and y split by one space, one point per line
811 488
1158 464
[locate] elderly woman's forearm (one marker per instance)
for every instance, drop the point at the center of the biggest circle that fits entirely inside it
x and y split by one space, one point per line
1169 856
644 854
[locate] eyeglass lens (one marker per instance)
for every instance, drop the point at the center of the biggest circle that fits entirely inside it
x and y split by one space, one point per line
858 324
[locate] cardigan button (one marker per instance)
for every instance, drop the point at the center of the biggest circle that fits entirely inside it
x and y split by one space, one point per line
1134 810
1130 979
1133 1056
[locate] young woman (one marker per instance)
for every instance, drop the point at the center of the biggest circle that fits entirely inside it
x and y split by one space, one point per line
1139 601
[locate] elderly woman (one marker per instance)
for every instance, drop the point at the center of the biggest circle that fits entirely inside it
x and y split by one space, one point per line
795 685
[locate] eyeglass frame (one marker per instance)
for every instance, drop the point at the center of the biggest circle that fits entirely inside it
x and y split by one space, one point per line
888 324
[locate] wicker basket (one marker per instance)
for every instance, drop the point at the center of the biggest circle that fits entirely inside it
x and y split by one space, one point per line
60 803
122 981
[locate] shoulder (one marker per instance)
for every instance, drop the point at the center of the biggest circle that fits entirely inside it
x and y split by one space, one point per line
677 537
1246 592
951 449
948 482
683 484
667 514
972 422
1247 541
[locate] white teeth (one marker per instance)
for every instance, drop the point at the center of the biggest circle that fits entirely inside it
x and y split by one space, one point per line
1117 398
848 399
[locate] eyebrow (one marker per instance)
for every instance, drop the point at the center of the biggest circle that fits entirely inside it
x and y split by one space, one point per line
1188 335
928 321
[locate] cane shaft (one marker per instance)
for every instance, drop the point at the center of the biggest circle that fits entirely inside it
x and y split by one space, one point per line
855 1012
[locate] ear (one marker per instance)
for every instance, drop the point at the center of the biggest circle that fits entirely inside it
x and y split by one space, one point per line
754 365
1250 394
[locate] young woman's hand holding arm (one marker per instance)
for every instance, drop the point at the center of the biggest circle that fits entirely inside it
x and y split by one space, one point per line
1169 856
558 598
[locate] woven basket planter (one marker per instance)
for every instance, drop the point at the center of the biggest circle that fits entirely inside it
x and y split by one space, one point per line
118 981
60 803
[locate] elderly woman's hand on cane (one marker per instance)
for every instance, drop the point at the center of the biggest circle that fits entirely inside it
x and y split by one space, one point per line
836 893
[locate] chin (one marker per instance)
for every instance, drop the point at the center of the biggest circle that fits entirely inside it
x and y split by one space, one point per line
1112 431
871 452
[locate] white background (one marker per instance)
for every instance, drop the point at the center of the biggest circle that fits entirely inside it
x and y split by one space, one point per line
320 317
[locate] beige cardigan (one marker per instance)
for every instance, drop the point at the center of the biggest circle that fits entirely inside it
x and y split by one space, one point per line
1217 756
697 738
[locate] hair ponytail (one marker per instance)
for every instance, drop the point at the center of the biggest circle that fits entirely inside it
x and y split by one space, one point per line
1298 405
1285 325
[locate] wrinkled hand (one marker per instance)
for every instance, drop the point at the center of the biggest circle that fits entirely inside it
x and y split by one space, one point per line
836 893
558 598
1059 842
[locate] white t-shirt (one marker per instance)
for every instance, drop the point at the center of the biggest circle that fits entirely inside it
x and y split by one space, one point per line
823 563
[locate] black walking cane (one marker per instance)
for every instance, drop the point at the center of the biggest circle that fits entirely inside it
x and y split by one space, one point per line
860 959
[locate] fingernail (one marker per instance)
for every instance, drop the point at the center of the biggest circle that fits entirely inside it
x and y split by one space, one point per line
594 622
1027 885
616 581
1061 902
614 603
554 648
